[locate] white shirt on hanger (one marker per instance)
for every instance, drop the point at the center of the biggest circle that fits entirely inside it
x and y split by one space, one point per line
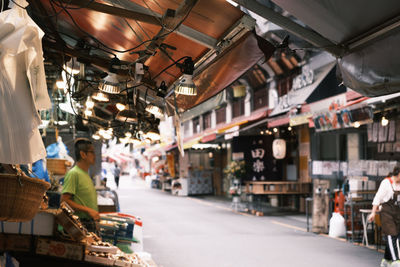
23 89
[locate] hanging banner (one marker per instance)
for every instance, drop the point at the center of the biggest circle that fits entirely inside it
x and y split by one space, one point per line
260 164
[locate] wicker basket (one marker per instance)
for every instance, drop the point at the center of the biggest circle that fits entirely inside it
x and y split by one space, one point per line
20 197
57 166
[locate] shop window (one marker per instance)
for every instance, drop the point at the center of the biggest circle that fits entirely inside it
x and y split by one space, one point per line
238 107
221 115
260 98
207 120
333 146
196 125
186 128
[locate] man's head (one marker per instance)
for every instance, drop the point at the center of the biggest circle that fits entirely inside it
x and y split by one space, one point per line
84 151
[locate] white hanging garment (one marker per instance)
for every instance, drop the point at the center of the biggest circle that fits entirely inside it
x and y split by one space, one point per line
23 89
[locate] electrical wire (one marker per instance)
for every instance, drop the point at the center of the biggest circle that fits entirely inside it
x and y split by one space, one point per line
174 63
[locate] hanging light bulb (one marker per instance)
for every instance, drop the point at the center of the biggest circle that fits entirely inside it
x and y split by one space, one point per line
356 124
89 103
147 141
384 121
120 106
186 85
155 110
128 134
128 116
101 97
289 128
101 131
275 130
88 112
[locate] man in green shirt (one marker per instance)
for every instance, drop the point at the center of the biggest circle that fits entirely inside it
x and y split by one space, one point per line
78 190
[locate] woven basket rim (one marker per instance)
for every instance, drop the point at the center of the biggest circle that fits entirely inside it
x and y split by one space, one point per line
26 178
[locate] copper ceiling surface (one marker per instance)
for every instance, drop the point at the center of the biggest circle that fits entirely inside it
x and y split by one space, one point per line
210 17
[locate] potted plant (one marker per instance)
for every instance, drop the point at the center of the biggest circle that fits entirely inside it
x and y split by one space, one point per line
235 172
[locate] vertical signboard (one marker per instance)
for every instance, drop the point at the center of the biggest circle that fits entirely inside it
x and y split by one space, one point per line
257 150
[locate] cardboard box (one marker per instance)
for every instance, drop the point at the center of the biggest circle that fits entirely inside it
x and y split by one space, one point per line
3 239
101 260
18 243
42 224
60 249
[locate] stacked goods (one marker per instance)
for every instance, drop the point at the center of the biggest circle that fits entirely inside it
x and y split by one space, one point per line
107 254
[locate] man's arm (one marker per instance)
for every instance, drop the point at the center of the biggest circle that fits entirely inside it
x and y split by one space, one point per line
92 213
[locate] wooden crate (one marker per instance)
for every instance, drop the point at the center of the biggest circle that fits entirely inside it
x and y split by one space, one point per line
57 166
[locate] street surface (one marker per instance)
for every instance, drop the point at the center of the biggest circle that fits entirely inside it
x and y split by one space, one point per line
202 232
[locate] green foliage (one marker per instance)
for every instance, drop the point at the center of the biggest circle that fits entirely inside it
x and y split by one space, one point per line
235 170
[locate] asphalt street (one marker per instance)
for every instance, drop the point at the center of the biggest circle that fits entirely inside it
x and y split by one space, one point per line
201 232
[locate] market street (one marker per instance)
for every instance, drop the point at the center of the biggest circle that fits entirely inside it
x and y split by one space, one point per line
191 232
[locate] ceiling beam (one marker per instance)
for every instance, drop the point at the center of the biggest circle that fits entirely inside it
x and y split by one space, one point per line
172 19
309 35
134 11
112 10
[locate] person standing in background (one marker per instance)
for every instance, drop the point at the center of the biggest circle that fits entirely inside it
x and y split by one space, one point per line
78 189
117 172
388 196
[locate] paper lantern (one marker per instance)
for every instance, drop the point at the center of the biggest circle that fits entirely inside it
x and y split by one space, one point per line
279 148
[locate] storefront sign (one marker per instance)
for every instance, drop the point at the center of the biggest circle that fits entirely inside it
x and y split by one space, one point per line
232 132
299 119
260 164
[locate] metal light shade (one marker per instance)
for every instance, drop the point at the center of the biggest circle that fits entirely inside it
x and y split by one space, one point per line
128 116
110 84
186 86
99 96
135 141
153 134
155 110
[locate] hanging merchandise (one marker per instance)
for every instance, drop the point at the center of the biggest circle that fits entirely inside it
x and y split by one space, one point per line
23 87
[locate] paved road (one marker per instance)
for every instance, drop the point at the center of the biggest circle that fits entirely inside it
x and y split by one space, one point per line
193 232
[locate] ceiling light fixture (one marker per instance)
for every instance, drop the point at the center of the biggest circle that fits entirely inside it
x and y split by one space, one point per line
60 84
155 110
89 103
120 106
110 83
275 130
186 85
96 136
88 112
356 124
162 90
101 97
153 134
135 141
384 121
127 115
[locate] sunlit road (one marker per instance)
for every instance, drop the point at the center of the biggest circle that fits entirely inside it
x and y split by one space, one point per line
190 232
